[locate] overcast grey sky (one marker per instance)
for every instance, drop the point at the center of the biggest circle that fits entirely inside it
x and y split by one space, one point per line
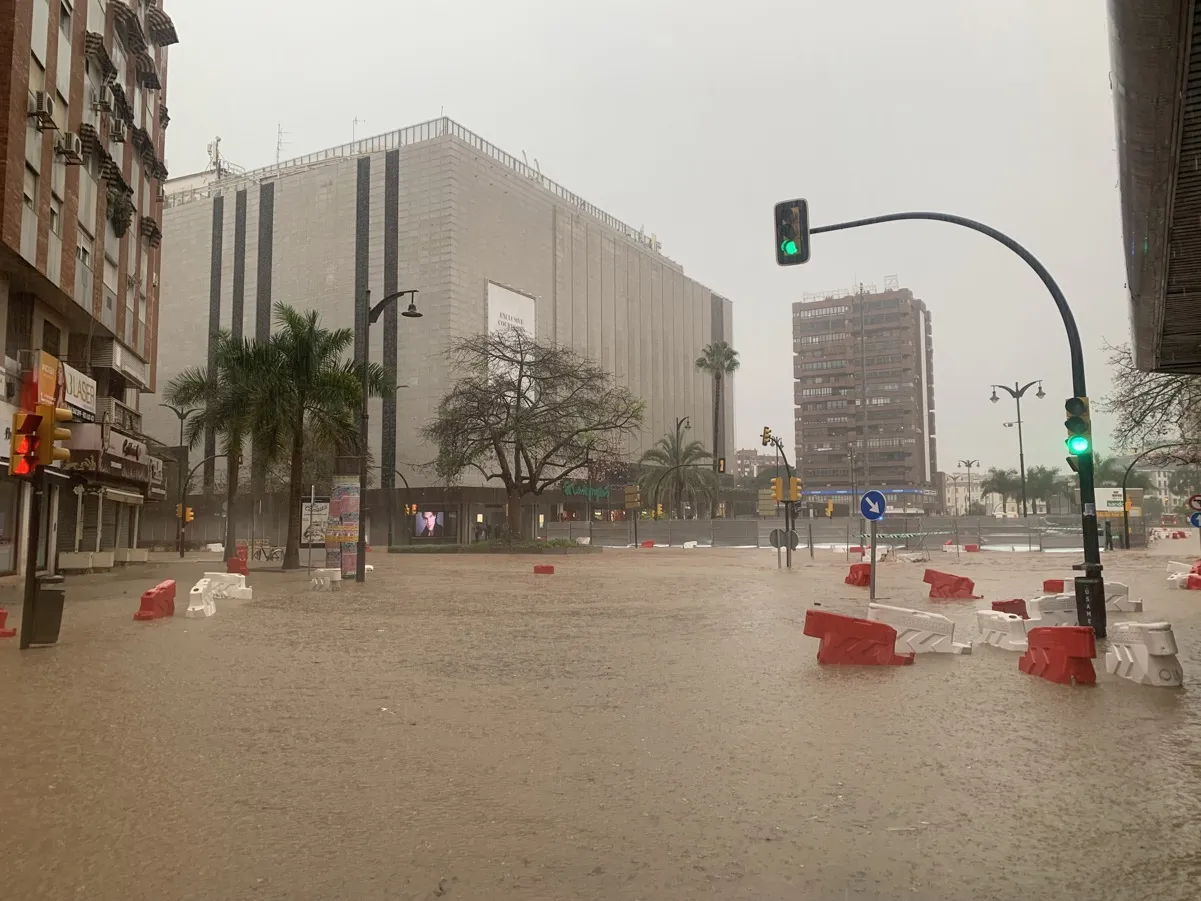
693 119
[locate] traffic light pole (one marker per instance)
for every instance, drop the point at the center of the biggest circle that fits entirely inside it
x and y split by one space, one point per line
1090 588
36 486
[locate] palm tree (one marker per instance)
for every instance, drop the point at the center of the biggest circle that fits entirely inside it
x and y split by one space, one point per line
1042 484
1004 482
306 394
222 398
719 360
1108 472
674 468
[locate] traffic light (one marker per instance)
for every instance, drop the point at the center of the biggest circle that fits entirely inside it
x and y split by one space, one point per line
794 489
777 489
1079 426
24 445
829 509
187 514
49 433
792 232
179 511
721 464
658 511
766 436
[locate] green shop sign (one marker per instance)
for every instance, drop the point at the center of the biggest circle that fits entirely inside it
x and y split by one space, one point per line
585 489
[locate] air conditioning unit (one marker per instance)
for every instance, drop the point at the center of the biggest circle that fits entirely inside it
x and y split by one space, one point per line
70 147
101 102
117 131
41 108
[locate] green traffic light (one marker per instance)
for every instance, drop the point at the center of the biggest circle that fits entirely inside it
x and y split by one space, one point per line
789 247
1078 445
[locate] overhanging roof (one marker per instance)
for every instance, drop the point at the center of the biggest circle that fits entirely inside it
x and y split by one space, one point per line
1155 47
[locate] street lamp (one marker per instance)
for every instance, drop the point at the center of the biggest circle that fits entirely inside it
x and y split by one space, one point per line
372 314
968 464
183 415
1016 393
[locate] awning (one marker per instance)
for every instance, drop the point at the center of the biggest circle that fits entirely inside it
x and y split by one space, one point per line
124 497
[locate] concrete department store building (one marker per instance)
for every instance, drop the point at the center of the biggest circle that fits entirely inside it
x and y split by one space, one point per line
81 164
483 236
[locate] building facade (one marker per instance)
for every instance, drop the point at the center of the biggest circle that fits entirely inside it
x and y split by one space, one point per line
749 462
482 236
81 163
863 365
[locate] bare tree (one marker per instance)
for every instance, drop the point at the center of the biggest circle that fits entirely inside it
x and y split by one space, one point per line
528 415
1152 407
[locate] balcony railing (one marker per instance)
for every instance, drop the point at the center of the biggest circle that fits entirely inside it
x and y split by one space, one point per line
121 417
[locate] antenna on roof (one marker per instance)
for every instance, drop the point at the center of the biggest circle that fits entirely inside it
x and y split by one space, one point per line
279 142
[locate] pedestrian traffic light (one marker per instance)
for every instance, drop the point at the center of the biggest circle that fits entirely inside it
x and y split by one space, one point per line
794 489
777 489
24 444
830 509
49 433
187 514
721 464
766 436
1079 426
792 232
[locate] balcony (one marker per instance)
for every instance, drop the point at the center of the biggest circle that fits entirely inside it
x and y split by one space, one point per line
119 416
108 353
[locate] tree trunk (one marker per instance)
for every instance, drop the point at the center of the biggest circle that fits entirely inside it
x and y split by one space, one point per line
716 420
513 514
295 492
231 495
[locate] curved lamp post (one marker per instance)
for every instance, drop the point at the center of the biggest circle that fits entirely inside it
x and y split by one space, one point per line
1016 393
1125 476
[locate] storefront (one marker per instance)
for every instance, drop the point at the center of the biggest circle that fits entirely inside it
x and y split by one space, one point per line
11 494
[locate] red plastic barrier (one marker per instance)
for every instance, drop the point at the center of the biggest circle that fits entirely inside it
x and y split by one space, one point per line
1178 535
1193 583
1196 568
948 543
972 548
5 633
848 640
856 549
543 569
158 602
860 575
237 565
946 586
1017 605
1061 654
1053 586
647 544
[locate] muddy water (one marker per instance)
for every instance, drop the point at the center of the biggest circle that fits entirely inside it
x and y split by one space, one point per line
642 725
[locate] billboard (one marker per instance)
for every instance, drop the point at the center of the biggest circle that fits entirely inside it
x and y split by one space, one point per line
509 309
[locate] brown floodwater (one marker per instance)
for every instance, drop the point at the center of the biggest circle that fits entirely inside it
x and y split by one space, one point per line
641 725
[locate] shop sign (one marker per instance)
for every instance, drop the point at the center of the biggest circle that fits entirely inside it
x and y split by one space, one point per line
156 470
80 394
585 489
41 380
97 448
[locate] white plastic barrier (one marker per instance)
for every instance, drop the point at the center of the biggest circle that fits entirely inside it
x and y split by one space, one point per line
327 579
1006 631
1144 653
689 545
231 586
200 600
1118 600
919 632
1052 610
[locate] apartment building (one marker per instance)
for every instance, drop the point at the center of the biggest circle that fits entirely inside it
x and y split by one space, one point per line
749 462
81 163
863 369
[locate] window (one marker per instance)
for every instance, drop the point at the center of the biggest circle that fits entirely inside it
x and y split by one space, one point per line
816 392
40 36
821 311
31 188
56 216
83 252
51 338
64 20
822 339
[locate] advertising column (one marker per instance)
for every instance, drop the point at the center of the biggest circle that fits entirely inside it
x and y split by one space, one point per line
342 529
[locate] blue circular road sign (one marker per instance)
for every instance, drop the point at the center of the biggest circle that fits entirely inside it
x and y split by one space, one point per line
1195 520
872 505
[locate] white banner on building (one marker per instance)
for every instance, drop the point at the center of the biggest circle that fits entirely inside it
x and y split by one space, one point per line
509 309
80 394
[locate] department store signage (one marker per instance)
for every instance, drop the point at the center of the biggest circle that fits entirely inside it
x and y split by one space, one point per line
585 489
80 395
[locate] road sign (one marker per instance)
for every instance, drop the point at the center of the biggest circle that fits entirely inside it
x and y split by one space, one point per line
1195 520
1194 502
633 497
872 505
779 538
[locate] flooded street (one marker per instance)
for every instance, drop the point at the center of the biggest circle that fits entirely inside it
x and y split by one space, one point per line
641 725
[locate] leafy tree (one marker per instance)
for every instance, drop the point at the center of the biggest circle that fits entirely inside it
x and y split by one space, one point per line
306 395
1109 471
222 398
675 468
719 360
1003 482
528 415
